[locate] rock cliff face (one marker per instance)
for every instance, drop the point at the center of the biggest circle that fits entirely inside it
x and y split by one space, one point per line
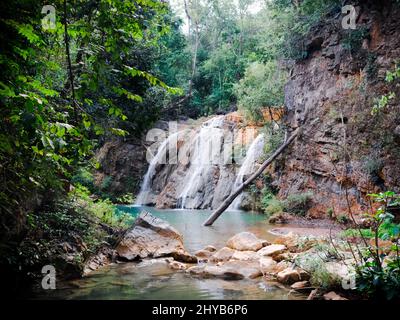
343 147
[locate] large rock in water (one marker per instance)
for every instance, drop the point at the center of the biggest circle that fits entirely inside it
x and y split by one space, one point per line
245 241
151 237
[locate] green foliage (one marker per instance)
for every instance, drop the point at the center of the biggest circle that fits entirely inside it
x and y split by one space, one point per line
352 40
285 26
272 206
49 129
102 209
385 100
48 235
274 138
378 275
354 233
128 198
261 87
343 218
380 283
85 178
297 204
314 262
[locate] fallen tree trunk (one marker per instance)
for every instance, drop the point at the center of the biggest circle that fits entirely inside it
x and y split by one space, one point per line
215 215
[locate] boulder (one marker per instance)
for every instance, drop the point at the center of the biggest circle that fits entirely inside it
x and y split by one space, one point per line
222 272
301 286
231 270
286 256
184 256
265 242
203 254
272 250
304 275
151 237
104 257
314 295
337 270
175 265
196 270
280 218
245 241
288 276
333 296
245 255
223 254
234 270
267 265
282 266
289 240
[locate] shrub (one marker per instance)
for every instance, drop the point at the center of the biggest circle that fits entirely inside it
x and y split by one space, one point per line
343 218
128 198
46 233
354 233
85 178
314 264
378 273
330 212
295 203
102 209
273 206
298 203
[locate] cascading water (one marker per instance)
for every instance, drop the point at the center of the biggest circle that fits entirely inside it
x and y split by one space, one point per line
252 155
206 154
160 156
203 175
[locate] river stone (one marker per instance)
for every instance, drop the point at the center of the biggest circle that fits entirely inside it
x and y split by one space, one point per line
234 270
223 254
222 272
301 286
333 296
245 256
245 241
175 265
273 250
267 265
196 270
151 237
288 276
337 270
282 265
203 254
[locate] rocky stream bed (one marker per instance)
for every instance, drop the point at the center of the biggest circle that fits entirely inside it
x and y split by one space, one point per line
152 261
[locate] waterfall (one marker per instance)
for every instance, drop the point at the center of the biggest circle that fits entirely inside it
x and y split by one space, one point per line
147 181
203 174
252 155
207 153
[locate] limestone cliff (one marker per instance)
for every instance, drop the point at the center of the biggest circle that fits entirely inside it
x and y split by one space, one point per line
332 92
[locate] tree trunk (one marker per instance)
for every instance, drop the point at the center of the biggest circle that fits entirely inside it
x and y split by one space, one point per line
68 54
215 215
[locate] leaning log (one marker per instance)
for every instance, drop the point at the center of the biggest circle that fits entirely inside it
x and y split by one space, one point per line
215 215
